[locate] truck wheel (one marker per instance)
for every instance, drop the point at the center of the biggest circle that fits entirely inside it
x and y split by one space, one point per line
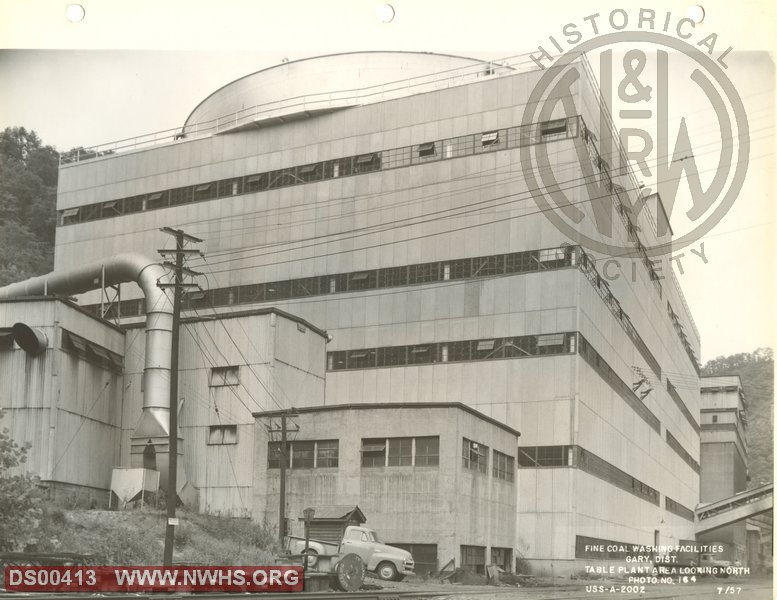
387 571
311 557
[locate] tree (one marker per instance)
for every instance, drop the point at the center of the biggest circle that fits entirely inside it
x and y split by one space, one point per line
20 497
28 192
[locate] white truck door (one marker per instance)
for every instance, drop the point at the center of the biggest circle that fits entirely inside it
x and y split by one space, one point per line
358 542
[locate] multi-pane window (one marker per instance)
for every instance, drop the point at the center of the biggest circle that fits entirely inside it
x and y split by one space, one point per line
351 165
373 452
222 434
275 454
504 466
543 456
483 266
392 355
422 354
551 130
400 452
327 453
304 454
427 451
489 139
367 163
474 455
220 376
361 359
392 277
363 280
488 266
427 150
312 172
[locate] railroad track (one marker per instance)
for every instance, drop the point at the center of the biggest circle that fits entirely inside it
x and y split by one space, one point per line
534 593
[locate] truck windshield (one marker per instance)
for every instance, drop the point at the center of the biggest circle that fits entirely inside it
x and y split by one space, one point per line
373 536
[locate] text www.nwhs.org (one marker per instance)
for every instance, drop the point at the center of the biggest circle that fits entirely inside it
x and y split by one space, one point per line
154 579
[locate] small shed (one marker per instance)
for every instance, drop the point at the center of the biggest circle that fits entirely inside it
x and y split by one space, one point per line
329 522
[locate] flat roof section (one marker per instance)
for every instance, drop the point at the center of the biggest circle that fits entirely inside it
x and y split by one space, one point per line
392 406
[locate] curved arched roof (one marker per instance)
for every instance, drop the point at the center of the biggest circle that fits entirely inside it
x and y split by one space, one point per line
325 83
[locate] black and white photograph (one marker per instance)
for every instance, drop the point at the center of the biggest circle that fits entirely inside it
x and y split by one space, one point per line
381 300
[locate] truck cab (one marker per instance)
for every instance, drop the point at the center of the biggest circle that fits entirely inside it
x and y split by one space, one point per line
387 562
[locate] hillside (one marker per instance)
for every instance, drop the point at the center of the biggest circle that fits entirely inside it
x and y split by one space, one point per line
136 537
28 191
756 369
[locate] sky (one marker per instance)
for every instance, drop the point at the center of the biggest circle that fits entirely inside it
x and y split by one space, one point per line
135 67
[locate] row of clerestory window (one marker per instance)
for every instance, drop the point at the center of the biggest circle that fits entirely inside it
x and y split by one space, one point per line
511 137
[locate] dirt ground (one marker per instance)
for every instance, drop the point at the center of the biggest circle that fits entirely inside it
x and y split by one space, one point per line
747 588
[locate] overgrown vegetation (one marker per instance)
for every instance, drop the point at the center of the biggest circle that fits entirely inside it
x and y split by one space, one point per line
130 537
756 369
136 537
20 498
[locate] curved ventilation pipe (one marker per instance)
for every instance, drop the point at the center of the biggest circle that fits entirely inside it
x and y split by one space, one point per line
122 268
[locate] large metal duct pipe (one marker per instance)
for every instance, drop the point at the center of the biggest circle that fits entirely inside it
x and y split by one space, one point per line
30 339
123 268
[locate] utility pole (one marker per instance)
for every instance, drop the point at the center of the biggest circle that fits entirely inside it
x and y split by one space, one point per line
284 430
178 286
284 458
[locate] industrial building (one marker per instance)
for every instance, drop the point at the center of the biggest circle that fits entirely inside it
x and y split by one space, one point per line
437 479
81 400
724 455
386 208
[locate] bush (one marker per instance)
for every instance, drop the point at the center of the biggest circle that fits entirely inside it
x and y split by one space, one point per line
20 497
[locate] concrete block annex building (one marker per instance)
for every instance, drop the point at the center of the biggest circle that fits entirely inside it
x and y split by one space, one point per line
459 367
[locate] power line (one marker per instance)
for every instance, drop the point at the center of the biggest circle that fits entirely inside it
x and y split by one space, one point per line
191 223
286 211
94 403
409 239
306 206
248 364
218 416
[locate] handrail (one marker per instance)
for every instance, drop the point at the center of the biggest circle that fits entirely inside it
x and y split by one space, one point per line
320 101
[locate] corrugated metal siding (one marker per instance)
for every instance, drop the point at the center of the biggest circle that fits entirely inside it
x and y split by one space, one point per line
226 501
89 390
85 451
24 378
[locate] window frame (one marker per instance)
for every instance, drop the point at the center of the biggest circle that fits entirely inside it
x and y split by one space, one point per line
480 460
431 456
503 466
376 448
221 376
217 435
